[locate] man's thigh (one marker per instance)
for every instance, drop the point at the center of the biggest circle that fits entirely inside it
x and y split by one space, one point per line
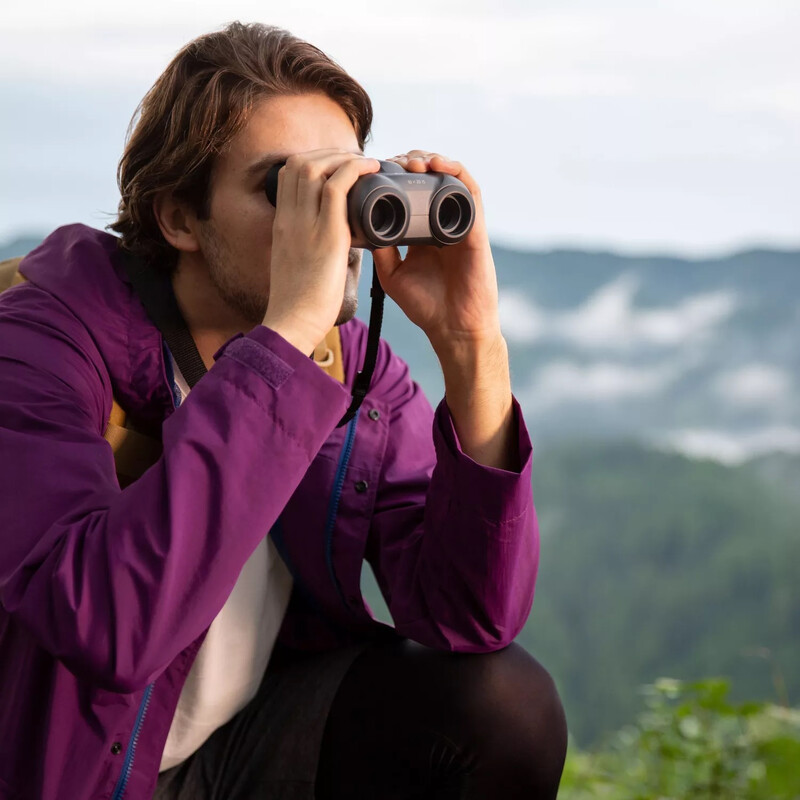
270 749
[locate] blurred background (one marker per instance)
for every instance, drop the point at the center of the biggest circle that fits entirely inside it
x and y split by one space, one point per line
640 169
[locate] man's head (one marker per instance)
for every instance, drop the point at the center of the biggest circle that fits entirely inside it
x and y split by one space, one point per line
224 102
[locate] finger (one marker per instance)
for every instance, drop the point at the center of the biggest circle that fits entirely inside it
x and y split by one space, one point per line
297 192
415 154
286 194
333 205
312 176
412 162
456 169
288 179
386 260
439 163
417 160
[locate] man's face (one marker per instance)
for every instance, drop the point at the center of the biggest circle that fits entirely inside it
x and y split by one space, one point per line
236 240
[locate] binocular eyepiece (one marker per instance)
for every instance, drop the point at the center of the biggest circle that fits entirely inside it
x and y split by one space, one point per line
395 207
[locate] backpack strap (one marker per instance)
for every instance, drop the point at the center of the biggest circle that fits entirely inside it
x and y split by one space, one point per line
328 355
133 451
9 273
155 290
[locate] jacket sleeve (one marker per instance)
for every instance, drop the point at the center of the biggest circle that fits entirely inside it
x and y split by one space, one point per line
115 583
454 545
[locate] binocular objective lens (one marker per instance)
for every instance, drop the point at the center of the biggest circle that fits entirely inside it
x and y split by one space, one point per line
386 218
449 214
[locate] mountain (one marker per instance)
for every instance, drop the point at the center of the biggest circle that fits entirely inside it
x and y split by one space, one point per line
653 564
782 470
19 246
699 355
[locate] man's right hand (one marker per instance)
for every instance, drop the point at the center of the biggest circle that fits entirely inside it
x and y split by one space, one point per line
311 244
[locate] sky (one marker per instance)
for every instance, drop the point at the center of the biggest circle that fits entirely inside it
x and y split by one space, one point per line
635 126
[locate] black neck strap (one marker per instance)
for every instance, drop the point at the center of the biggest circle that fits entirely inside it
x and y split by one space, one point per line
362 381
154 288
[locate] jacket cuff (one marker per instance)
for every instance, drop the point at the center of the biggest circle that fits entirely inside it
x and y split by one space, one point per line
288 383
497 496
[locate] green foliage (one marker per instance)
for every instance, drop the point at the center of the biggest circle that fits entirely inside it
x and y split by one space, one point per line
692 742
656 564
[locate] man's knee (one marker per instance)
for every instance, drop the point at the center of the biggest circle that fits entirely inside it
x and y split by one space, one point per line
497 714
516 704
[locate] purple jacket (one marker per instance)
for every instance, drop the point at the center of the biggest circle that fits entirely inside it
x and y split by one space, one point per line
106 594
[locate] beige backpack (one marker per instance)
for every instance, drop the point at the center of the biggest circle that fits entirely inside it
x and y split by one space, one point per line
134 452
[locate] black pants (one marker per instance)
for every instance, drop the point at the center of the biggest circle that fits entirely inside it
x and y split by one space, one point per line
405 722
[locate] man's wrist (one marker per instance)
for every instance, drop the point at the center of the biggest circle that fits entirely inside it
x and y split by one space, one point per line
478 394
294 335
472 358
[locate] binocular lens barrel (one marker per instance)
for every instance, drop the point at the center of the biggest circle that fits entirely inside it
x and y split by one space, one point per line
387 216
451 215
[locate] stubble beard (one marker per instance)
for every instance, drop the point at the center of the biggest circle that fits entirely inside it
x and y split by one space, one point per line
350 299
249 303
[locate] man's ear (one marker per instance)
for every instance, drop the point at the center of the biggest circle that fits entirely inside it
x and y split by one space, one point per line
178 223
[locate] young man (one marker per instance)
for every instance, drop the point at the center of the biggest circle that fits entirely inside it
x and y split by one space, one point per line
153 642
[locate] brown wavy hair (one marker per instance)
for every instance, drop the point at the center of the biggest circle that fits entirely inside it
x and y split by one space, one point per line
198 104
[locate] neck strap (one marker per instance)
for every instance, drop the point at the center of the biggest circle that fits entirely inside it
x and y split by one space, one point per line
154 288
362 381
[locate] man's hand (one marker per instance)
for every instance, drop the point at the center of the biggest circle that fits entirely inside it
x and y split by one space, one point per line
451 293
311 243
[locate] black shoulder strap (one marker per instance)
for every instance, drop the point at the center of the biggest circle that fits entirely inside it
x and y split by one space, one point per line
363 379
154 288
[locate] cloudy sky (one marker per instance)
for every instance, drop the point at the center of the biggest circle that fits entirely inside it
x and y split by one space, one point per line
639 126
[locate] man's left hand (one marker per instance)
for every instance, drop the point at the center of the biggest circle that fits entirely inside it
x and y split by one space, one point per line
450 292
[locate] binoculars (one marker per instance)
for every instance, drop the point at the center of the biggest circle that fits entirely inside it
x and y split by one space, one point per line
395 207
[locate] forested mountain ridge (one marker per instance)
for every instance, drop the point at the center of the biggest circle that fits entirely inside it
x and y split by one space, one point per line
698 355
654 564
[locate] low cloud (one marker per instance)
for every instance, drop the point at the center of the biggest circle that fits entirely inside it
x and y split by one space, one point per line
599 382
754 386
729 447
609 320
520 319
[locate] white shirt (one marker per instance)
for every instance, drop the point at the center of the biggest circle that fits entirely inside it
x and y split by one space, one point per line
230 663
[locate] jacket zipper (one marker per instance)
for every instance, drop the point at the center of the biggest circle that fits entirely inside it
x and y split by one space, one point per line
333 506
130 752
119 789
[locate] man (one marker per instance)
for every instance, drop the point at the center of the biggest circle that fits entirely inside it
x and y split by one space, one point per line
138 628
